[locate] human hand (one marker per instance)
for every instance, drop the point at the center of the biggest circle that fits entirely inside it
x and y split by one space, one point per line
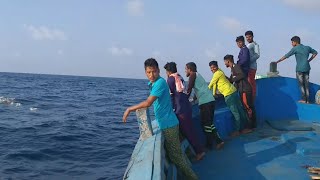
125 115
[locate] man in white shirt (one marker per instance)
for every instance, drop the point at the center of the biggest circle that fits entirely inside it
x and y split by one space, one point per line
254 55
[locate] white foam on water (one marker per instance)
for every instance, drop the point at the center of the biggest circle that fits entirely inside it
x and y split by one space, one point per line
5 100
9 101
33 109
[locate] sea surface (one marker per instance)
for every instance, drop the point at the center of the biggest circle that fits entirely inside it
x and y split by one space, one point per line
66 127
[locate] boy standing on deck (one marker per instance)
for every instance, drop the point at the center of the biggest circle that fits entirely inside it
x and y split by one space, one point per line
303 65
206 104
244 56
220 82
245 91
166 118
183 108
254 56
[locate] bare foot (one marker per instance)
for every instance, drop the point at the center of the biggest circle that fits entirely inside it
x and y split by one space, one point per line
200 156
302 101
220 146
246 131
235 134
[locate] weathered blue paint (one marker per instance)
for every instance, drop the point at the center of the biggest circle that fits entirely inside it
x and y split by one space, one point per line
277 99
268 153
144 121
148 159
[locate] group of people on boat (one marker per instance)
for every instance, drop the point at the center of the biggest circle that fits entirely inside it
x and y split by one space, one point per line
173 110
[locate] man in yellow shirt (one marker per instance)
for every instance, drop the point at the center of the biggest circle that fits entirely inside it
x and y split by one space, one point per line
220 82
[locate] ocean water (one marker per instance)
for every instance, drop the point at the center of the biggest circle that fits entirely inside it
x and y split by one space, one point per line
66 127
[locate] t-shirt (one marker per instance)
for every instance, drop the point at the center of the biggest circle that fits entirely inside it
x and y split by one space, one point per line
219 81
163 111
244 60
302 54
254 54
203 93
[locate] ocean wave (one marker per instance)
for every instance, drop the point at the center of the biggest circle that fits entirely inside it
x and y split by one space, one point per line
30 155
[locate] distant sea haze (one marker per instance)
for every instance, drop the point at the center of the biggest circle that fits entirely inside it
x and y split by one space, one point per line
66 127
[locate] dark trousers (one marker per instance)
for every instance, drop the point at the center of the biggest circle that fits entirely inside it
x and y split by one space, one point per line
206 116
188 130
303 81
248 104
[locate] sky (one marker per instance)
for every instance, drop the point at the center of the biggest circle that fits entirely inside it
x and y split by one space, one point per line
112 38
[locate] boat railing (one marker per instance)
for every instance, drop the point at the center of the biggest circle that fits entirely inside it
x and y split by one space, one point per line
148 159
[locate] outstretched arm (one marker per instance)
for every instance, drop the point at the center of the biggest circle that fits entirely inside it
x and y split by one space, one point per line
282 59
290 53
144 104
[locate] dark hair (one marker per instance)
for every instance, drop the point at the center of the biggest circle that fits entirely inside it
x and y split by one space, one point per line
151 62
240 38
171 67
296 39
213 63
229 57
192 66
249 33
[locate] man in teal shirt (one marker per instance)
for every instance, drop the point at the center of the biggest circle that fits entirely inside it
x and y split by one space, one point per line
166 118
301 53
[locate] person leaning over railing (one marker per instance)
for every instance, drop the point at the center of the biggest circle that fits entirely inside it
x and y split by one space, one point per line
166 118
206 105
220 82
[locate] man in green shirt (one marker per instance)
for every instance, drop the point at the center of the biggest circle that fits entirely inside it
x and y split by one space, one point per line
301 53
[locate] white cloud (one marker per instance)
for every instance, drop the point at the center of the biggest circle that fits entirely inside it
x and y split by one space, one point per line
116 51
304 4
135 7
232 25
174 28
45 33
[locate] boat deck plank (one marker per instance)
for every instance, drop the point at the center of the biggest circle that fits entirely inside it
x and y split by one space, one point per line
265 154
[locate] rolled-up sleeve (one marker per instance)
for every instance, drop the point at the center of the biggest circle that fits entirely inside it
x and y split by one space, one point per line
290 53
312 51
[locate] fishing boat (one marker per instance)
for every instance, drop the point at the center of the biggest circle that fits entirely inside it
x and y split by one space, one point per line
286 144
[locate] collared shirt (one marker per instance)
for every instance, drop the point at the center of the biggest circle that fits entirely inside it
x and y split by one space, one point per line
301 53
254 54
219 81
239 79
244 60
163 110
